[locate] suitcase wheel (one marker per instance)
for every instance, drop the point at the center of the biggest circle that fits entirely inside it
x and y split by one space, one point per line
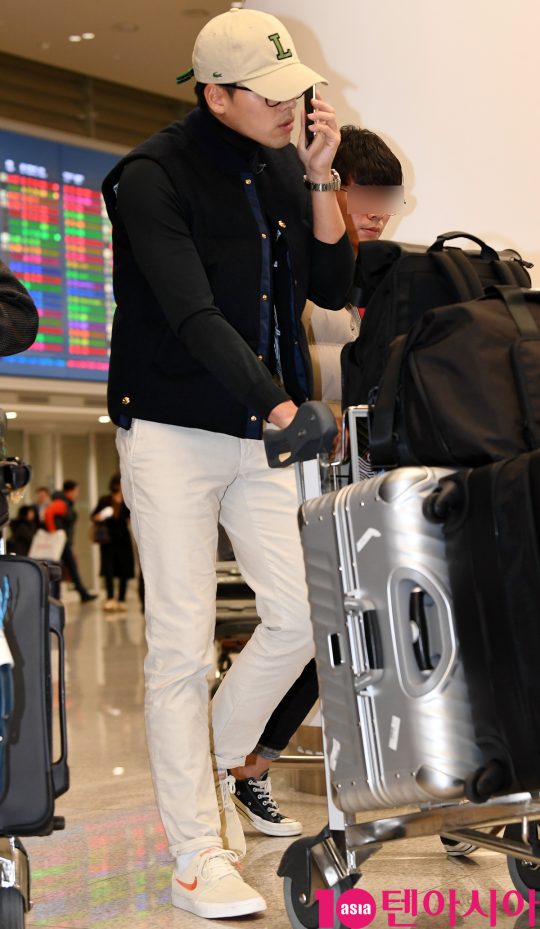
492 778
301 880
11 908
302 914
524 874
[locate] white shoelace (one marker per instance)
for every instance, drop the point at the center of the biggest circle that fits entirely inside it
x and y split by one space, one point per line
264 788
218 864
227 785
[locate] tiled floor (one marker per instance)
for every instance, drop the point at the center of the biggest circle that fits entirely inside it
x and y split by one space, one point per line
110 868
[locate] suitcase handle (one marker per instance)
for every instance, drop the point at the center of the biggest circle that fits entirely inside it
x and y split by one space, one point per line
312 431
365 641
60 770
418 620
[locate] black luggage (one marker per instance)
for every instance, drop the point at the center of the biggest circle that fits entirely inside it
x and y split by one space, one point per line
462 388
33 777
492 527
398 283
6 701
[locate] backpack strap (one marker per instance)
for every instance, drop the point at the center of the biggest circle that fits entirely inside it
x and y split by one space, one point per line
514 301
523 361
460 274
381 436
504 273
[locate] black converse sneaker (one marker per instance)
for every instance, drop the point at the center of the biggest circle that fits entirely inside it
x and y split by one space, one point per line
253 799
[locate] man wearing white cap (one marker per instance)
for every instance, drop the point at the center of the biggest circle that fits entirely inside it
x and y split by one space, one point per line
221 231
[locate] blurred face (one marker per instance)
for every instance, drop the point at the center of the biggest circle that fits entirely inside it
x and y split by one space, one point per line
367 209
361 227
249 114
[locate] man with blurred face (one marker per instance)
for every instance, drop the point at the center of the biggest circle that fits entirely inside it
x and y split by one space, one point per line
371 191
221 230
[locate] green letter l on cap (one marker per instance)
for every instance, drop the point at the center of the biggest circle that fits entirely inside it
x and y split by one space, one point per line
281 53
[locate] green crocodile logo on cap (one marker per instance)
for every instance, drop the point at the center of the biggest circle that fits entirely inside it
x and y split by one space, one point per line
217 74
281 53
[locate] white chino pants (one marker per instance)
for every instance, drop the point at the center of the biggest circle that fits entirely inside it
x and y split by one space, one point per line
178 482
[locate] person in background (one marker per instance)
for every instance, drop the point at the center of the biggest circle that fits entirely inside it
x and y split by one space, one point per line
22 530
221 231
42 498
61 514
111 531
370 193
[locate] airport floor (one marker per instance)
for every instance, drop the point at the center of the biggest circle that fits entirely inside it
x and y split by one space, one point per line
110 868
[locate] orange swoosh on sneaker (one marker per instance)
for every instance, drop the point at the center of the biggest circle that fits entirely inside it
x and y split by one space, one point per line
192 886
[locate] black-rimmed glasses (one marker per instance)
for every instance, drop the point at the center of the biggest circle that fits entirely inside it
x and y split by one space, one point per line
266 100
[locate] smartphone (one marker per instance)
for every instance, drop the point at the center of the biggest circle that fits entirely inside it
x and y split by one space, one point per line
308 106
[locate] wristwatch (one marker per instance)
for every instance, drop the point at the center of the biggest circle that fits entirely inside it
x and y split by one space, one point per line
334 184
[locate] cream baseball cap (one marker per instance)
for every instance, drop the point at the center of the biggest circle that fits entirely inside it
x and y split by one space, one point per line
251 48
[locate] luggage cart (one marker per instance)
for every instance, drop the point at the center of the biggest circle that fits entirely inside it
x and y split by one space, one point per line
333 859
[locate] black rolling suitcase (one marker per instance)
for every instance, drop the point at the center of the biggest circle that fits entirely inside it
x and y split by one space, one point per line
6 699
33 778
492 526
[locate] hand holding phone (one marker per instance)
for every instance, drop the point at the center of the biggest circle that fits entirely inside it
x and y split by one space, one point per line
309 94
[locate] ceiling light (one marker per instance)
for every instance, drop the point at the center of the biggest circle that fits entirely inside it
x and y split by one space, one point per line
102 419
88 35
11 414
75 38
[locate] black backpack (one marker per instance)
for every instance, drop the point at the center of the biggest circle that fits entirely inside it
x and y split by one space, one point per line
397 283
462 387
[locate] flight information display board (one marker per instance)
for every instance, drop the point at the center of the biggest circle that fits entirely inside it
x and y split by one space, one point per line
56 237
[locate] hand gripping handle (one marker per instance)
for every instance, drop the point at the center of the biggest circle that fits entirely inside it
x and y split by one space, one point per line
312 431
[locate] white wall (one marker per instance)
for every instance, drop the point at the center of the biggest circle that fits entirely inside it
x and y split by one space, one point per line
454 88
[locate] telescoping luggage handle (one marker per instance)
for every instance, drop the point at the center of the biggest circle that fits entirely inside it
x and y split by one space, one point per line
311 432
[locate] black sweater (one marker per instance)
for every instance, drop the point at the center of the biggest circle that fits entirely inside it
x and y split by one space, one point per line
197 211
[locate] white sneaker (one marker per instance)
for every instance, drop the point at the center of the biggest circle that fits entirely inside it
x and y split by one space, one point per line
232 833
211 887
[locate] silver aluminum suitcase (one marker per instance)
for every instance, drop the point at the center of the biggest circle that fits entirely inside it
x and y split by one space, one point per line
396 714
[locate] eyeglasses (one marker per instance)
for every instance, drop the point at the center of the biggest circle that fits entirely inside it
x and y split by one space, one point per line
266 100
373 198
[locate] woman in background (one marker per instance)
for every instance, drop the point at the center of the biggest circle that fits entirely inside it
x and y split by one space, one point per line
111 531
22 529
